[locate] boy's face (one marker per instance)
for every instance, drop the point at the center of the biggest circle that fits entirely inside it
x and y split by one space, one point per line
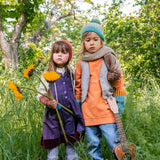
60 58
92 42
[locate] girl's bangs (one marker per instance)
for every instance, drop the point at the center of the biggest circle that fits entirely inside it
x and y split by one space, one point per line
60 47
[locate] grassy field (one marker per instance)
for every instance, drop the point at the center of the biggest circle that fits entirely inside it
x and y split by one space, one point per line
21 123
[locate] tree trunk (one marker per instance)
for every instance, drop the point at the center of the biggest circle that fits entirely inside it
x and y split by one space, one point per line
10 50
10 53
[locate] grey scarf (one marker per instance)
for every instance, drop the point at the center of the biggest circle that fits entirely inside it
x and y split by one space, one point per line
99 54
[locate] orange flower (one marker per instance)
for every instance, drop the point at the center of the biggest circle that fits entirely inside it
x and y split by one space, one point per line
51 76
15 89
29 71
12 86
18 95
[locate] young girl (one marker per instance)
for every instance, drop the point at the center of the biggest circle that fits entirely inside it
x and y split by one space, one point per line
62 89
98 76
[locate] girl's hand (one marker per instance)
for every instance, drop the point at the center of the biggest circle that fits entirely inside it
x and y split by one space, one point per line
48 102
52 104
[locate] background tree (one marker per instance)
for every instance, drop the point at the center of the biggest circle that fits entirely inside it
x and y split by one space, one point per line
23 13
9 49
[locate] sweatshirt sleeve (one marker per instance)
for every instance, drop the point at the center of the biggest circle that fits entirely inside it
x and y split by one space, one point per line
78 81
113 66
112 62
115 74
119 87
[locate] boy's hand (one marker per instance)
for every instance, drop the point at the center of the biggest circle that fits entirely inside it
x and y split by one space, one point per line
113 76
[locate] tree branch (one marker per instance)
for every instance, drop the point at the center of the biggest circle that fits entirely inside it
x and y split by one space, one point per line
16 35
54 9
53 19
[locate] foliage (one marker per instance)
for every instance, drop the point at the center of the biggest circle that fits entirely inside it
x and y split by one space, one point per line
32 56
135 39
11 11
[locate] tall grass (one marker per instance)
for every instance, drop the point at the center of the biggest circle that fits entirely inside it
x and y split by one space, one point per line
21 123
141 119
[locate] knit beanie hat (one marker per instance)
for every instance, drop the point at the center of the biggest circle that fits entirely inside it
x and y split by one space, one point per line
93 26
69 47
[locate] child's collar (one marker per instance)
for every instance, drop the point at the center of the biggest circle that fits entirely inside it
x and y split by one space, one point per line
60 70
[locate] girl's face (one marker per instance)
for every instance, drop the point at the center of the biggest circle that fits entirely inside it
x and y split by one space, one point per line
92 42
60 58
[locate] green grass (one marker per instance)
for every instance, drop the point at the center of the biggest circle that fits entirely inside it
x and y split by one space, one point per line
21 123
141 120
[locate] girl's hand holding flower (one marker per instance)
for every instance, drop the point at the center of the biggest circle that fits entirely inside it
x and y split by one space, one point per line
50 103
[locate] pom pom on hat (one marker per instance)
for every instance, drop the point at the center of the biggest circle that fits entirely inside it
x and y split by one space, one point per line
93 26
95 21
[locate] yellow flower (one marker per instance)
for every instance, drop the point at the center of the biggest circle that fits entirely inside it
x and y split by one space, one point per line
12 86
51 76
29 71
15 89
18 95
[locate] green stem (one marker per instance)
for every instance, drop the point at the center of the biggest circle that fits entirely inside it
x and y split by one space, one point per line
61 123
36 91
41 81
50 93
59 117
67 109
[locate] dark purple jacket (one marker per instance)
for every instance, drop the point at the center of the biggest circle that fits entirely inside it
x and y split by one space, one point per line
52 134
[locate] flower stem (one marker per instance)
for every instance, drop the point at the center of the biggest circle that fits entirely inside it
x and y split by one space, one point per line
49 98
59 117
49 92
61 123
35 91
41 81
67 109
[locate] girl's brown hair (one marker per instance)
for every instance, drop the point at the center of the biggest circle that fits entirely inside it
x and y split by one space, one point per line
83 49
58 47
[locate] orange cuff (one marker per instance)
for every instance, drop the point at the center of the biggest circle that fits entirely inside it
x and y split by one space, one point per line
121 92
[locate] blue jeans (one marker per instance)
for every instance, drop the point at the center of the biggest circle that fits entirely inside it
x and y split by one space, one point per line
94 136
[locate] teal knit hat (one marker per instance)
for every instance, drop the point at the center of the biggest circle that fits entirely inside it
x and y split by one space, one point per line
93 26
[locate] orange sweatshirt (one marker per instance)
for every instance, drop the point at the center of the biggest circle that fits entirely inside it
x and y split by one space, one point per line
95 107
